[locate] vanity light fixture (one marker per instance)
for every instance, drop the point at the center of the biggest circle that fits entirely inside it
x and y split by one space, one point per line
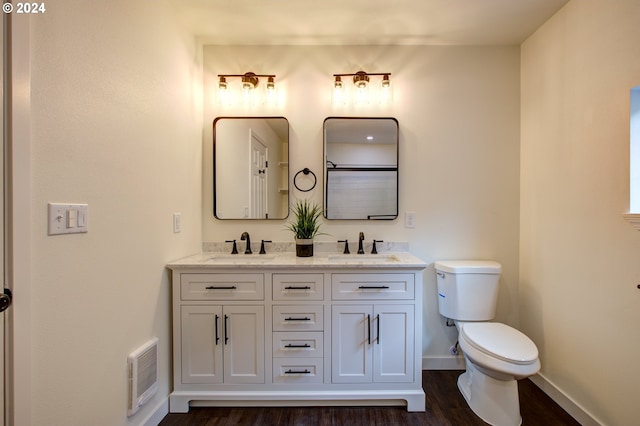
361 78
249 85
250 80
364 92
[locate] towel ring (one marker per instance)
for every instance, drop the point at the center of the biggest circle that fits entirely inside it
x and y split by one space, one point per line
306 171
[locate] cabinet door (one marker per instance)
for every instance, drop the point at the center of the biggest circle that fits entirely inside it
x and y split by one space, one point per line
393 347
201 353
243 341
350 344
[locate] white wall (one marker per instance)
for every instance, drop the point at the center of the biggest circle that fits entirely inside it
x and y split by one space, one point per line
458 110
115 123
579 263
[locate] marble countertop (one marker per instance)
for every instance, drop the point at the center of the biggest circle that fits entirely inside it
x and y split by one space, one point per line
290 260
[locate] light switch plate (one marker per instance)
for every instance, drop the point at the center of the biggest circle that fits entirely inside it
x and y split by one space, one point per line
177 222
64 218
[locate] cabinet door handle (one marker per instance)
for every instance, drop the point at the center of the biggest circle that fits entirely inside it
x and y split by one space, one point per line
377 287
214 287
378 326
369 329
217 335
297 319
289 345
290 371
226 333
293 287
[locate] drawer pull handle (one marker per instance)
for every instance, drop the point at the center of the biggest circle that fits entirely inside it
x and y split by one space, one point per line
378 287
306 345
290 371
230 287
293 287
369 329
297 319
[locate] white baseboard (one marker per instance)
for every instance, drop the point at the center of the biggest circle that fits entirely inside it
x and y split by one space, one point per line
156 416
569 405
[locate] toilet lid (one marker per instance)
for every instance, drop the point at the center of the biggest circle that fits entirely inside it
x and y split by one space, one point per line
500 341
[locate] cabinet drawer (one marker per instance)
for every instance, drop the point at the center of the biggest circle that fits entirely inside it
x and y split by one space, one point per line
298 287
298 344
372 286
297 318
297 370
222 287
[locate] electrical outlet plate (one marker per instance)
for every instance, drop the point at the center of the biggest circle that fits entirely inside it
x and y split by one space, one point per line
67 218
410 219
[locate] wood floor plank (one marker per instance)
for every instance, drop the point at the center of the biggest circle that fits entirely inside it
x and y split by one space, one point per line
445 406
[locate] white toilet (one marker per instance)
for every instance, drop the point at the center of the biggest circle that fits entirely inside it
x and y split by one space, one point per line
496 355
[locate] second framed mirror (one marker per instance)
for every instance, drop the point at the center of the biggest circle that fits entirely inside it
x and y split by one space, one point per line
361 168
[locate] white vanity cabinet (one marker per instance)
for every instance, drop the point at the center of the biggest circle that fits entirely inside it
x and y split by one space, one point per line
222 344
373 342
297 331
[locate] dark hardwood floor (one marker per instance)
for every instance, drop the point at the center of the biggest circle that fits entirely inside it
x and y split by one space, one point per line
445 407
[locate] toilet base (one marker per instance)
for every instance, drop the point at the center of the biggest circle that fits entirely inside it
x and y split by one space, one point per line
494 401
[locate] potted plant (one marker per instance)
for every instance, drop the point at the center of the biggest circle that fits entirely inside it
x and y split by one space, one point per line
305 226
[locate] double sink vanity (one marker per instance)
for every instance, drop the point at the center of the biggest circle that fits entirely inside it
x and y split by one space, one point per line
276 329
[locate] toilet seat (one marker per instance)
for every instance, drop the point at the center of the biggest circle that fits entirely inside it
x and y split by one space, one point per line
500 341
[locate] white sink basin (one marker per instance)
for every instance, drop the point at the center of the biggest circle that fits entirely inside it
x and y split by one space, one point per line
363 258
240 259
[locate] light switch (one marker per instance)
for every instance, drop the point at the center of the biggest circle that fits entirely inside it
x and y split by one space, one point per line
82 218
72 218
67 218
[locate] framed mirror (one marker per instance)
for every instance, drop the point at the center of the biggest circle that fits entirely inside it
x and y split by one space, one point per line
250 168
361 168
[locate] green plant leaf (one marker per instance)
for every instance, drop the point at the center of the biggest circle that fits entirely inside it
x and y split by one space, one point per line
307 219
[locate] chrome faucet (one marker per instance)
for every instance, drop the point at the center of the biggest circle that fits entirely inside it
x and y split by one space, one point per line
360 240
245 236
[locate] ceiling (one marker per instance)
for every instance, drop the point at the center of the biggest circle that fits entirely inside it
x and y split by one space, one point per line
364 22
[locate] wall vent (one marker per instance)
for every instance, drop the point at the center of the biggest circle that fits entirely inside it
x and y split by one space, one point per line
143 375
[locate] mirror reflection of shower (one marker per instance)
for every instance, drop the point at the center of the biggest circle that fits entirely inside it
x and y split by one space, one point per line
361 168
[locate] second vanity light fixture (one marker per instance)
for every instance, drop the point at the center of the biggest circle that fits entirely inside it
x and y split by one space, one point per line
363 91
251 92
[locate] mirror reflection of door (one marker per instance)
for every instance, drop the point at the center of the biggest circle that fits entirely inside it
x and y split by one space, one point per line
250 168
259 179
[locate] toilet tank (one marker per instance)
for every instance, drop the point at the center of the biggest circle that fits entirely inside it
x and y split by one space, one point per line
468 289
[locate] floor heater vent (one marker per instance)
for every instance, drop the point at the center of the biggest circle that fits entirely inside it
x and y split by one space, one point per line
143 375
